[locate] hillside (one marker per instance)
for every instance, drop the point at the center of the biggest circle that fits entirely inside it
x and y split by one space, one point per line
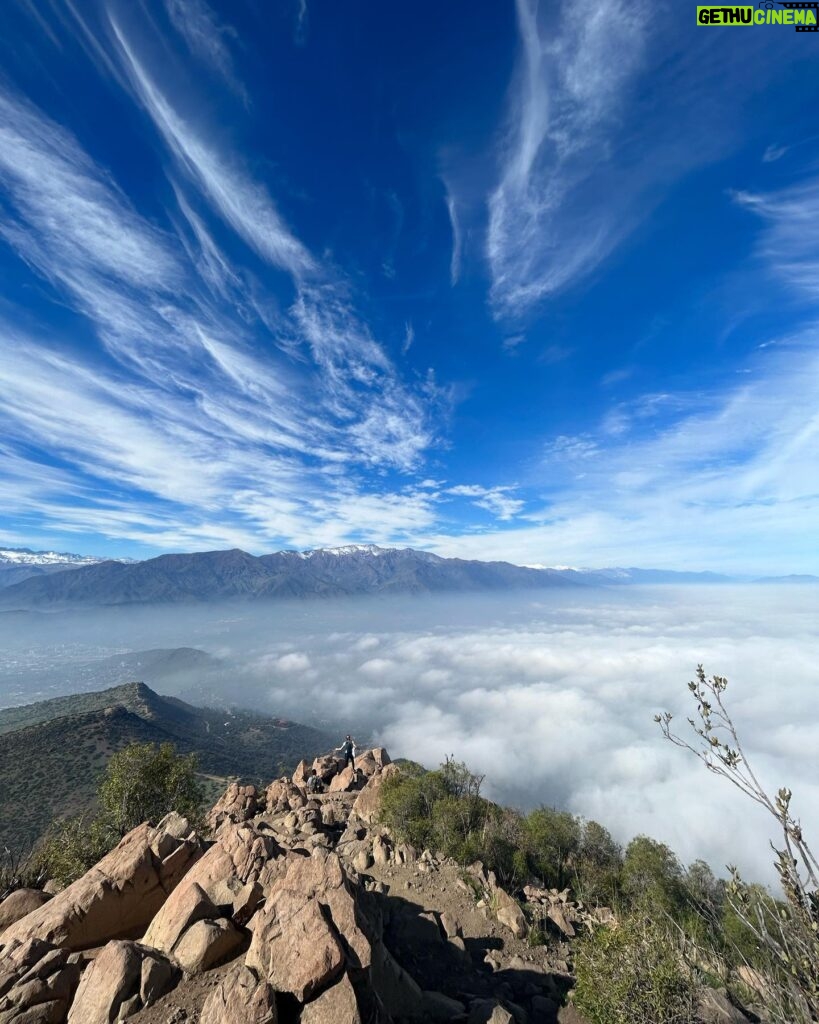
52 753
211 576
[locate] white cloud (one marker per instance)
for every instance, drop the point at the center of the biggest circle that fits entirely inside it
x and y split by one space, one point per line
242 202
457 240
497 500
553 696
297 661
204 36
790 242
606 113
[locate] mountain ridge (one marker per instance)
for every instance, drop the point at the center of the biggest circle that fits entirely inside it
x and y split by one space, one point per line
53 752
208 576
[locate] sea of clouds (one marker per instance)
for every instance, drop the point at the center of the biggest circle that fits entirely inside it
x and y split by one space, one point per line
551 696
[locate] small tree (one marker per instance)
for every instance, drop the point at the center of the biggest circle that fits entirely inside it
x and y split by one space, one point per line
789 932
634 974
652 877
552 841
144 782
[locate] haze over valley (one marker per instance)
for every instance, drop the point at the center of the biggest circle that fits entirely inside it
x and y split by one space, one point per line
552 694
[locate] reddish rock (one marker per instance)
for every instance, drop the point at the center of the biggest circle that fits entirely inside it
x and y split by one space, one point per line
37 982
240 998
115 899
294 948
239 803
124 977
19 903
338 1005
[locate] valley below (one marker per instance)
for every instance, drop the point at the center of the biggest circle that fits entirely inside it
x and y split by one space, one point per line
550 695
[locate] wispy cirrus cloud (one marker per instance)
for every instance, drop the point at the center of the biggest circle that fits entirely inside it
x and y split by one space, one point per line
199 421
725 480
241 202
790 242
543 232
606 114
205 37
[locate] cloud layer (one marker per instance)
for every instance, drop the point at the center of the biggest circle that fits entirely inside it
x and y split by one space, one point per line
552 698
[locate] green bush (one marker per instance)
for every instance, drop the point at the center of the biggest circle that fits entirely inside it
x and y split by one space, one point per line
599 861
552 841
73 846
633 974
652 876
142 782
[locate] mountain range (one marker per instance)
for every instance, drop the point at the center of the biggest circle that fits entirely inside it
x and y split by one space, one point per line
360 569
52 753
18 564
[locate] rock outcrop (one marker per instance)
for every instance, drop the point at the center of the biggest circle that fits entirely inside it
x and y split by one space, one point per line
124 978
119 896
300 907
37 982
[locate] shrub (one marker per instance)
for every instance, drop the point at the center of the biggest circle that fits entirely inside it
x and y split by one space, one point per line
19 871
73 846
633 974
599 860
144 782
787 934
652 876
552 842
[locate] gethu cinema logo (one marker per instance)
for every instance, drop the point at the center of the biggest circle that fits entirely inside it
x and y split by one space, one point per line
804 16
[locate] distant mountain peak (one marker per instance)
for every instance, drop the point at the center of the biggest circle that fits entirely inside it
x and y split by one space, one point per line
25 556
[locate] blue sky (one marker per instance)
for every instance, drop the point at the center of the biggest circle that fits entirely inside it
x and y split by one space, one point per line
522 281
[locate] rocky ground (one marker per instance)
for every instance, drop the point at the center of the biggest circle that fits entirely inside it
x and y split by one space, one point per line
300 907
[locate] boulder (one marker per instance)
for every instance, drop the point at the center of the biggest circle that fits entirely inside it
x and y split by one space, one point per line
309 927
192 930
238 803
337 1005
439 1007
206 944
326 767
19 903
509 913
399 993
294 947
367 804
322 877
557 915
236 859
124 978
37 982
302 774
240 998
381 851
344 781
119 896
487 1011
188 904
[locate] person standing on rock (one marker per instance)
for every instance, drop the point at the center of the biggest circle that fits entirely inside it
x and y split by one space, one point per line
347 748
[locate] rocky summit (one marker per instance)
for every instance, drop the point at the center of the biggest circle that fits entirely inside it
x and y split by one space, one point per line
295 905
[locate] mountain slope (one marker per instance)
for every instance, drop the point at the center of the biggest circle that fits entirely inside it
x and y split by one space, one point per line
220 575
18 564
53 753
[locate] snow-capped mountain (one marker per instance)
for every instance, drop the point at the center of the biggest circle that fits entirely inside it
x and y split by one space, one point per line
25 556
18 564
